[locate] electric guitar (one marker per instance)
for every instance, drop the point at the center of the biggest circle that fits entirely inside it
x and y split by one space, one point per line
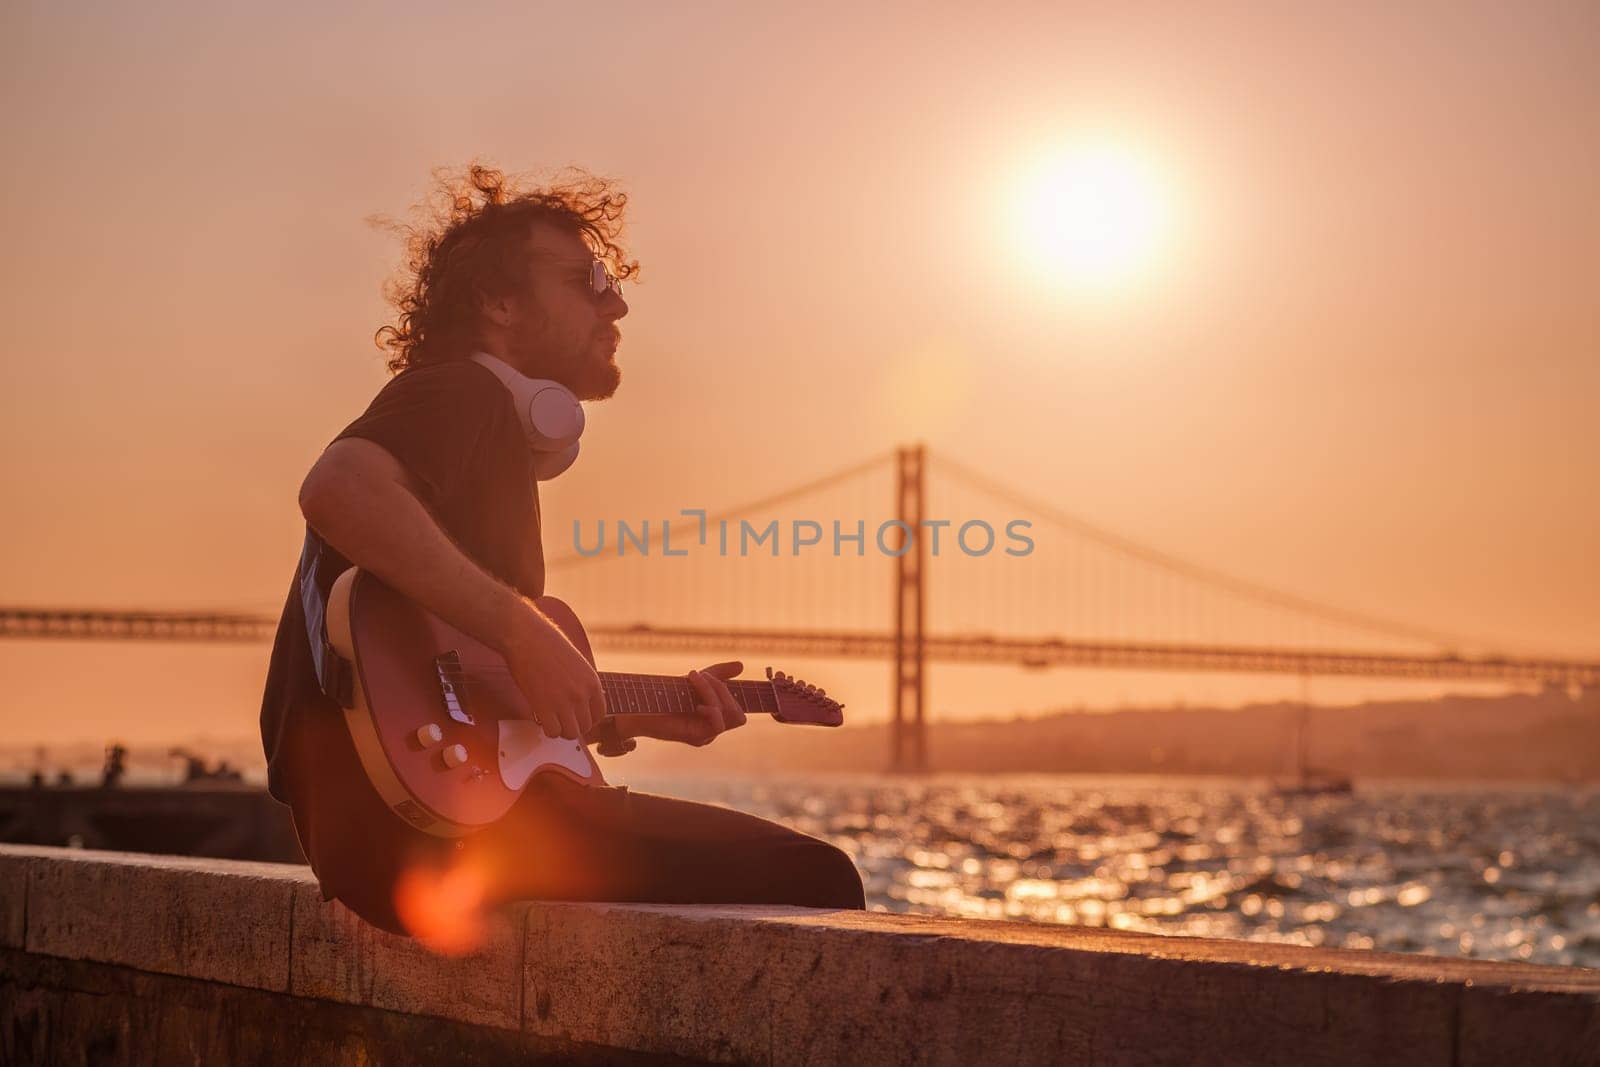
445 735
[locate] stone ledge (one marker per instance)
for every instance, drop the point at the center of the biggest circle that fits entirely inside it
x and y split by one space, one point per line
338 957
795 985
791 985
55 1011
200 918
13 899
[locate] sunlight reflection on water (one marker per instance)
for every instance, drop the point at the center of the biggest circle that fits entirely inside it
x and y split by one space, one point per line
1486 872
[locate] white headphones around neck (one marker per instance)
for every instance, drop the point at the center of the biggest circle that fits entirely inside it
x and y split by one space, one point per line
551 417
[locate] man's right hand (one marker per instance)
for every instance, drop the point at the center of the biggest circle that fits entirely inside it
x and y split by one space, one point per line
561 686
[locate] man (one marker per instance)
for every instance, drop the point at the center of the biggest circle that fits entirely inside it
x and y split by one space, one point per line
432 491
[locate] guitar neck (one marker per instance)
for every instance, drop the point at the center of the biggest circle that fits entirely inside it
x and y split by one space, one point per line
664 694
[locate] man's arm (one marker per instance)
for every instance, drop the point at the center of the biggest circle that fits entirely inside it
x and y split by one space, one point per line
364 503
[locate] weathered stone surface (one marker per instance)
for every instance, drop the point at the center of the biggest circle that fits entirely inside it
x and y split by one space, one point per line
764 985
793 986
55 1011
224 921
13 897
649 978
338 957
1530 1025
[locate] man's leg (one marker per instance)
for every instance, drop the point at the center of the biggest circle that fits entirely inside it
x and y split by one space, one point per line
565 841
357 847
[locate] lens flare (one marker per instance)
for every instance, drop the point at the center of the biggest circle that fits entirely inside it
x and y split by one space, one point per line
445 910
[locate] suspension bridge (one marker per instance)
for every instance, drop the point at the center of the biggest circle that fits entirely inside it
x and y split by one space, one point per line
961 566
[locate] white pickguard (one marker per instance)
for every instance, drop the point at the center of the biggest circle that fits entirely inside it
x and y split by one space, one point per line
524 748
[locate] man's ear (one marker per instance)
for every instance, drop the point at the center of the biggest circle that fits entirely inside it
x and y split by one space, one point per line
496 307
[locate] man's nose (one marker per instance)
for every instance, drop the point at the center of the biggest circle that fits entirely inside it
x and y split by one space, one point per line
612 306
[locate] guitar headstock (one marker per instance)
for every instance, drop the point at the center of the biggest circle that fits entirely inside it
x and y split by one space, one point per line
802 704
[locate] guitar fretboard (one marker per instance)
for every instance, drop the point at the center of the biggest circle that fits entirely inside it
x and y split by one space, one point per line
660 694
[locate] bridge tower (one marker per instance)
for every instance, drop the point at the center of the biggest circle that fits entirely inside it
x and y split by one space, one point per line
908 741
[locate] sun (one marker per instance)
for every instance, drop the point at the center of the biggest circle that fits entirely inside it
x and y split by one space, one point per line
1096 215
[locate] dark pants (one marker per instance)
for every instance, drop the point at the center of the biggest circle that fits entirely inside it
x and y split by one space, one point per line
565 841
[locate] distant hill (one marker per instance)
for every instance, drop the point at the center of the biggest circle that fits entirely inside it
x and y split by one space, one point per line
1544 737
1528 737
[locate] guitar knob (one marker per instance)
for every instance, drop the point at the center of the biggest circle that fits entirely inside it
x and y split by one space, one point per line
429 735
455 755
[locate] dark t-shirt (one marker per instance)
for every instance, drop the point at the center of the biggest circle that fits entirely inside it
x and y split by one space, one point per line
453 426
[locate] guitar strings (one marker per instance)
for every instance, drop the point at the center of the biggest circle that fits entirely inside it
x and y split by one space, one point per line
668 685
495 676
615 678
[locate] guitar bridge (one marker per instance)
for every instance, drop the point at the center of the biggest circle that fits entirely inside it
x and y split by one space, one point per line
452 688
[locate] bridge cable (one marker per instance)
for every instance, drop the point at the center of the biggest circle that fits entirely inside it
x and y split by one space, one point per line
1237 586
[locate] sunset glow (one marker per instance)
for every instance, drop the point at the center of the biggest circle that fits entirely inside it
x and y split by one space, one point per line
1247 291
1093 215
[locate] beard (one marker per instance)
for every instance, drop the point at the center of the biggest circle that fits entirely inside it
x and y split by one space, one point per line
597 380
595 373
589 369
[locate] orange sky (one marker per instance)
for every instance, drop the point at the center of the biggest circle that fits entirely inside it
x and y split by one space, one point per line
1362 368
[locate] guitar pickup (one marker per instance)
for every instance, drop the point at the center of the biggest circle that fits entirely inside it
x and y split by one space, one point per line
452 687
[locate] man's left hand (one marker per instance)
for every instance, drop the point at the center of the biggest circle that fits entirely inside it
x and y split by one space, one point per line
715 710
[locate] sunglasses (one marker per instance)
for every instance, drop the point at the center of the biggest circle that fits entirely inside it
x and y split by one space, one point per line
601 280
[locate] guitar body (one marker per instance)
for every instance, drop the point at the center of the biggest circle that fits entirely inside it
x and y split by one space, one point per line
442 731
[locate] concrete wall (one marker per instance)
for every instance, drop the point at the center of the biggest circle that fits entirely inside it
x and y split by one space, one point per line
106 957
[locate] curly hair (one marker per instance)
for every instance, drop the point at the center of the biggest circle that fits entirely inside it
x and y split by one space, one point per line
469 241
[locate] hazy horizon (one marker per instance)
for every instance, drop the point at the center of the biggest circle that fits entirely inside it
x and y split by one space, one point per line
1357 363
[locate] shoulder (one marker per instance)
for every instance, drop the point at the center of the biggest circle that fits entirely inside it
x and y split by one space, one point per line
456 377
433 390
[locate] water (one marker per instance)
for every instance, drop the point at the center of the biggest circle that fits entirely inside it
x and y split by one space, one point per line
1483 872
